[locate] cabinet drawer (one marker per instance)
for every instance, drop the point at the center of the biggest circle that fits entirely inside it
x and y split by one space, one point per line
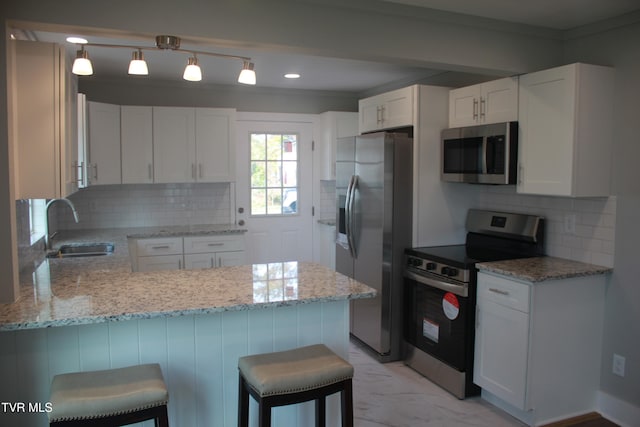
217 243
161 262
505 292
159 246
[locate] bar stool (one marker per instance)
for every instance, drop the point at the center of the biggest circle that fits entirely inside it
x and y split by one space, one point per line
112 397
294 376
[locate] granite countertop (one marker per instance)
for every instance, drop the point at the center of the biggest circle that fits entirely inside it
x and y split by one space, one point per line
540 269
85 290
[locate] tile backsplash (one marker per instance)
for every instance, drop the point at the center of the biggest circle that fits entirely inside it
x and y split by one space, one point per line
144 205
327 200
578 229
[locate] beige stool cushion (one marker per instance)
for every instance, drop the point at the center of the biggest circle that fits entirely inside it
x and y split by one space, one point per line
293 371
95 394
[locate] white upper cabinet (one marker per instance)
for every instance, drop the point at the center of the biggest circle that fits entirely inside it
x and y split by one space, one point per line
386 111
39 134
215 153
104 144
174 144
333 125
491 102
137 144
193 144
566 126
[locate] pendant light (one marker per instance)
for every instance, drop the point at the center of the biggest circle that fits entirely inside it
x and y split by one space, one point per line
138 66
247 75
192 71
82 64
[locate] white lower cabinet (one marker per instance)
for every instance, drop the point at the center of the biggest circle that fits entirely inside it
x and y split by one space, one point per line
538 345
192 252
161 253
160 262
213 251
502 323
213 260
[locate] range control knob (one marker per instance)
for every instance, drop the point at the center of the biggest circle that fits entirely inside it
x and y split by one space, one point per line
414 262
449 271
431 266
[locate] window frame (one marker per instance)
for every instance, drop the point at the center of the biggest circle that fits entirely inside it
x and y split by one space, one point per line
282 187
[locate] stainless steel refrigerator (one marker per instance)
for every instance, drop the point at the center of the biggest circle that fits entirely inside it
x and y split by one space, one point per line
373 227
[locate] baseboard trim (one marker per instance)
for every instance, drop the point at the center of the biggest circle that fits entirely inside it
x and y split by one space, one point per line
616 410
591 416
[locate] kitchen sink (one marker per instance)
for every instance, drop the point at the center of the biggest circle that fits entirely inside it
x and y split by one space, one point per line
82 250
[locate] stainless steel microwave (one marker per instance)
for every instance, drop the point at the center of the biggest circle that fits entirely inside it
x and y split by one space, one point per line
483 154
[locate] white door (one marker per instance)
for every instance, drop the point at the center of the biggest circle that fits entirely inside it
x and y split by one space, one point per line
275 204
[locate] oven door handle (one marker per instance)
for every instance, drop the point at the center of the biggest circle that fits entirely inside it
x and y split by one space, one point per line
460 290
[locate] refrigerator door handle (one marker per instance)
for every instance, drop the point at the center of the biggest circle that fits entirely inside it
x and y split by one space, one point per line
353 186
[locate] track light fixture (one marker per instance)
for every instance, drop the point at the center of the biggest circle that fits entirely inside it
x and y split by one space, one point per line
138 66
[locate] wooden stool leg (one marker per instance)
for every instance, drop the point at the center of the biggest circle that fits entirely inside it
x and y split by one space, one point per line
264 413
163 419
321 412
346 398
243 403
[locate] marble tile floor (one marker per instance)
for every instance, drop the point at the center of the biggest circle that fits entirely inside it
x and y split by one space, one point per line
394 395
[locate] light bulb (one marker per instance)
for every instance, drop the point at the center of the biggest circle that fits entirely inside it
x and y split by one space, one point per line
192 71
138 66
82 65
247 75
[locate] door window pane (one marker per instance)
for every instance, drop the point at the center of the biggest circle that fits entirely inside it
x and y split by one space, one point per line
274 174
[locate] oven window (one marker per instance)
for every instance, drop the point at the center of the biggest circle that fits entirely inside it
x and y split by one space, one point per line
436 322
463 155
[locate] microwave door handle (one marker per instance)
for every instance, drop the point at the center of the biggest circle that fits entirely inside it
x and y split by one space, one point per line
485 145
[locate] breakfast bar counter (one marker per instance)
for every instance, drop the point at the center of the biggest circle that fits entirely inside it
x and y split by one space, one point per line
87 313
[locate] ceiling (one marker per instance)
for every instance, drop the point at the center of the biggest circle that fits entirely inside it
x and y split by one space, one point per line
555 14
322 73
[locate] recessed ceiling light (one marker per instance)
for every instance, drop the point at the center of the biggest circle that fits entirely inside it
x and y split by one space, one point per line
77 40
292 76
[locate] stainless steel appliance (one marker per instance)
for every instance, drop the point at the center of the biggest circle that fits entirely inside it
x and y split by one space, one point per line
440 294
484 154
373 219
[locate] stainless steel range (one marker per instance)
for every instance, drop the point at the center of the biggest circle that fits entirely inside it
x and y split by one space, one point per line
440 294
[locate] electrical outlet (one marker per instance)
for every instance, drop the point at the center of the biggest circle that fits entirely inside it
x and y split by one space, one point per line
570 223
618 365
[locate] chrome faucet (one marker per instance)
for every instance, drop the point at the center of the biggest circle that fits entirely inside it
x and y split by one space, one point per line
47 237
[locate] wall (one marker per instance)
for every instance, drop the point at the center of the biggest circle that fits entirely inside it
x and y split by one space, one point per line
618 47
133 92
